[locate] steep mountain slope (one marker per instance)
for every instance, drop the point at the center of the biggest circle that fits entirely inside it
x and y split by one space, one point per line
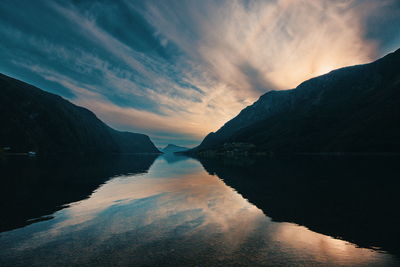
353 109
170 148
35 120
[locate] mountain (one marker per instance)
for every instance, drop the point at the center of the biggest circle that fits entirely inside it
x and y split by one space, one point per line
170 148
353 109
34 120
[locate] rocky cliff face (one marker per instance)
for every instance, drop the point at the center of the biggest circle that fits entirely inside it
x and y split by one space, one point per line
353 109
34 120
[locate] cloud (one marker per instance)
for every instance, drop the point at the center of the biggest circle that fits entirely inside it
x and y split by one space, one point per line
264 45
181 69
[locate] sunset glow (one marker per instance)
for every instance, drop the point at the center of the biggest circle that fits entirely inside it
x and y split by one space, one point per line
179 70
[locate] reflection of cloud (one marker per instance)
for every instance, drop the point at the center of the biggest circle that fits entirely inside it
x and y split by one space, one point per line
176 193
324 248
191 211
166 196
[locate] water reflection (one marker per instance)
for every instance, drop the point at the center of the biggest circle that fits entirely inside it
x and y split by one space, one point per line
175 214
353 198
36 187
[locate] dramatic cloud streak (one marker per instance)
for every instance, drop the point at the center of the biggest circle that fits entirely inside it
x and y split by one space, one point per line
267 45
177 70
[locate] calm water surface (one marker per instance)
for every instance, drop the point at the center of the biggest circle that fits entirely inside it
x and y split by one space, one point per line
174 214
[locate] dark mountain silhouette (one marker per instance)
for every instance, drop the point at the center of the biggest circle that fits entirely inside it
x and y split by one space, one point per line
34 120
353 109
170 148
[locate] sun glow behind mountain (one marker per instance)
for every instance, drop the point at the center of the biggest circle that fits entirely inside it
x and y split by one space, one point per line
176 70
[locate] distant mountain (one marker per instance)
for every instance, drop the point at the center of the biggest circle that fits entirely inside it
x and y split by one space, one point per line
34 120
353 109
170 148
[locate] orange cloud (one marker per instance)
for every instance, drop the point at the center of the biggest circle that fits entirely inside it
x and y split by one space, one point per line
230 52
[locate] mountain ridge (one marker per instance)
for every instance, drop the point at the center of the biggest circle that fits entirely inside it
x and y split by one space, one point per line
287 121
171 148
35 120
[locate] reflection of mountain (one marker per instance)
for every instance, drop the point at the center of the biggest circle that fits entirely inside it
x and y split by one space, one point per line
173 148
35 120
31 188
356 199
175 215
172 157
353 109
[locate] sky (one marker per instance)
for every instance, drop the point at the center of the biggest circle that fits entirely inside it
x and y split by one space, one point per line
177 70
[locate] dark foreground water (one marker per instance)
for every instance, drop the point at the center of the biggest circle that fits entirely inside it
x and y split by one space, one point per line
147 211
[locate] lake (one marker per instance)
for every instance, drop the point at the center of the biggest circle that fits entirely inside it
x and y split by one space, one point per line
178 211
